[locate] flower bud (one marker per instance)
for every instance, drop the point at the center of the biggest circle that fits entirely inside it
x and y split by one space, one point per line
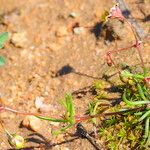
115 12
131 82
16 141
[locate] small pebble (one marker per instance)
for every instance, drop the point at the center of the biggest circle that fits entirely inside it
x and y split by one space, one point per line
73 15
78 30
39 102
32 123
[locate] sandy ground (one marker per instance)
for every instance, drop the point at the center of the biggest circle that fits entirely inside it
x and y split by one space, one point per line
45 44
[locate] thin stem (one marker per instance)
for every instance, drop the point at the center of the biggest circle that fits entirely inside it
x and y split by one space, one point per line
133 31
140 90
83 118
121 49
137 44
33 114
147 127
140 55
110 58
144 116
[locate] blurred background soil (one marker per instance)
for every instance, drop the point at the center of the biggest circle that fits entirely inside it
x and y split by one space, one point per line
55 47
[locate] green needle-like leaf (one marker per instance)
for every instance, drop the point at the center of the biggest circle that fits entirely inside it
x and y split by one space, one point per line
145 115
140 90
70 108
62 129
131 103
147 127
51 119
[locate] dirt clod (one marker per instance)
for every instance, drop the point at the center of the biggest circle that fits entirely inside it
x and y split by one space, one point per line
19 39
61 31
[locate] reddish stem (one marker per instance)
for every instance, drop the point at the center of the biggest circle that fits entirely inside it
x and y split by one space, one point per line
111 60
77 118
3 108
138 46
137 42
130 25
121 49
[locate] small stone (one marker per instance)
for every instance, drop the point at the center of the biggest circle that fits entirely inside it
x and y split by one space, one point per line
32 123
39 102
78 30
19 39
62 31
41 106
73 15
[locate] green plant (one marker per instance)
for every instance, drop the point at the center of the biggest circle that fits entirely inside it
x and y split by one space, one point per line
14 140
135 96
121 123
3 39
136 88
2 60
68 117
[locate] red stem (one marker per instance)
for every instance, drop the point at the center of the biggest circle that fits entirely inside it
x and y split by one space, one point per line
77 118
136 39
140 55
137 43
3 108
110 58
121 49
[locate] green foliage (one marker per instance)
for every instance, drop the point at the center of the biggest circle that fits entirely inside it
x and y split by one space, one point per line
97 85
69 106
68 117
3 38
132 126
95 108
2 60
137 94
111 121
115 131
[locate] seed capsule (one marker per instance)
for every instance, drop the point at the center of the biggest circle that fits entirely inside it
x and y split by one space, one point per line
16 141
